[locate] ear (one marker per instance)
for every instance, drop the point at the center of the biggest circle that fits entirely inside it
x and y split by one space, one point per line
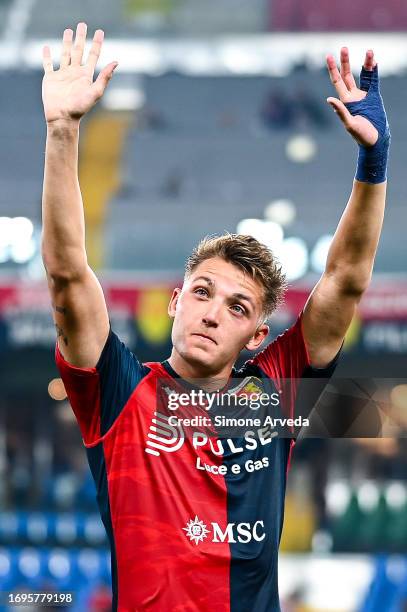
172 306
259 337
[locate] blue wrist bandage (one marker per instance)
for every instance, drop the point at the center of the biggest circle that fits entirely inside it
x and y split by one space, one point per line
372 161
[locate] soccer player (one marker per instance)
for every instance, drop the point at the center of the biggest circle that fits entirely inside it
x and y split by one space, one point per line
194 524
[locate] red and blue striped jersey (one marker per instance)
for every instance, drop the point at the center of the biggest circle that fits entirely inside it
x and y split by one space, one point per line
192 527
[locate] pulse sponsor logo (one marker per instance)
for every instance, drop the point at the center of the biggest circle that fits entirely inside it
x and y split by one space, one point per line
197 531
168 438
163 436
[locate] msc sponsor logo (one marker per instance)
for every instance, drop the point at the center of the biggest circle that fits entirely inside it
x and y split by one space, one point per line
197 531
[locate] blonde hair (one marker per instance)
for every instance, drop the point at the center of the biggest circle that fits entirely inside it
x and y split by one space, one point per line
249 255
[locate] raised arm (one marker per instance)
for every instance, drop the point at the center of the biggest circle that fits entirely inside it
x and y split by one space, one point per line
332 304
79 307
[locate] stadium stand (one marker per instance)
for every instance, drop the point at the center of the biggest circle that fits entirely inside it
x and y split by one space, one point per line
209 149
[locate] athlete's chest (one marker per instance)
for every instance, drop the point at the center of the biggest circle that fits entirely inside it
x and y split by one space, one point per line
165 430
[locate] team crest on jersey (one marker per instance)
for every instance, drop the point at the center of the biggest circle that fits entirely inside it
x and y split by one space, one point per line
251 385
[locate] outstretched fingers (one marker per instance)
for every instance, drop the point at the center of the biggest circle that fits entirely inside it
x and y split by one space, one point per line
346 72
336 79
47 60
95 50
66 48
79 46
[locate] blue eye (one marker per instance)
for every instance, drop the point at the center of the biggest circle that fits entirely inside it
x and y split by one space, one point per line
241 309
201 289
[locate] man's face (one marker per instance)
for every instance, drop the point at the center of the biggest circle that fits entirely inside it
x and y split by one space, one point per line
216 314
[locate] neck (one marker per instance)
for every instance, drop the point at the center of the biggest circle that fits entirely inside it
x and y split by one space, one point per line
198 375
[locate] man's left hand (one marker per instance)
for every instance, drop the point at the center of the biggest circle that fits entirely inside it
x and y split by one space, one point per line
362 130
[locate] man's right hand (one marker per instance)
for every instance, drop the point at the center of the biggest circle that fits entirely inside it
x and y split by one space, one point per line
70 92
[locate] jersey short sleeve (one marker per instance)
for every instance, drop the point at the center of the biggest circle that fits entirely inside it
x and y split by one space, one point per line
98 395
286 361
